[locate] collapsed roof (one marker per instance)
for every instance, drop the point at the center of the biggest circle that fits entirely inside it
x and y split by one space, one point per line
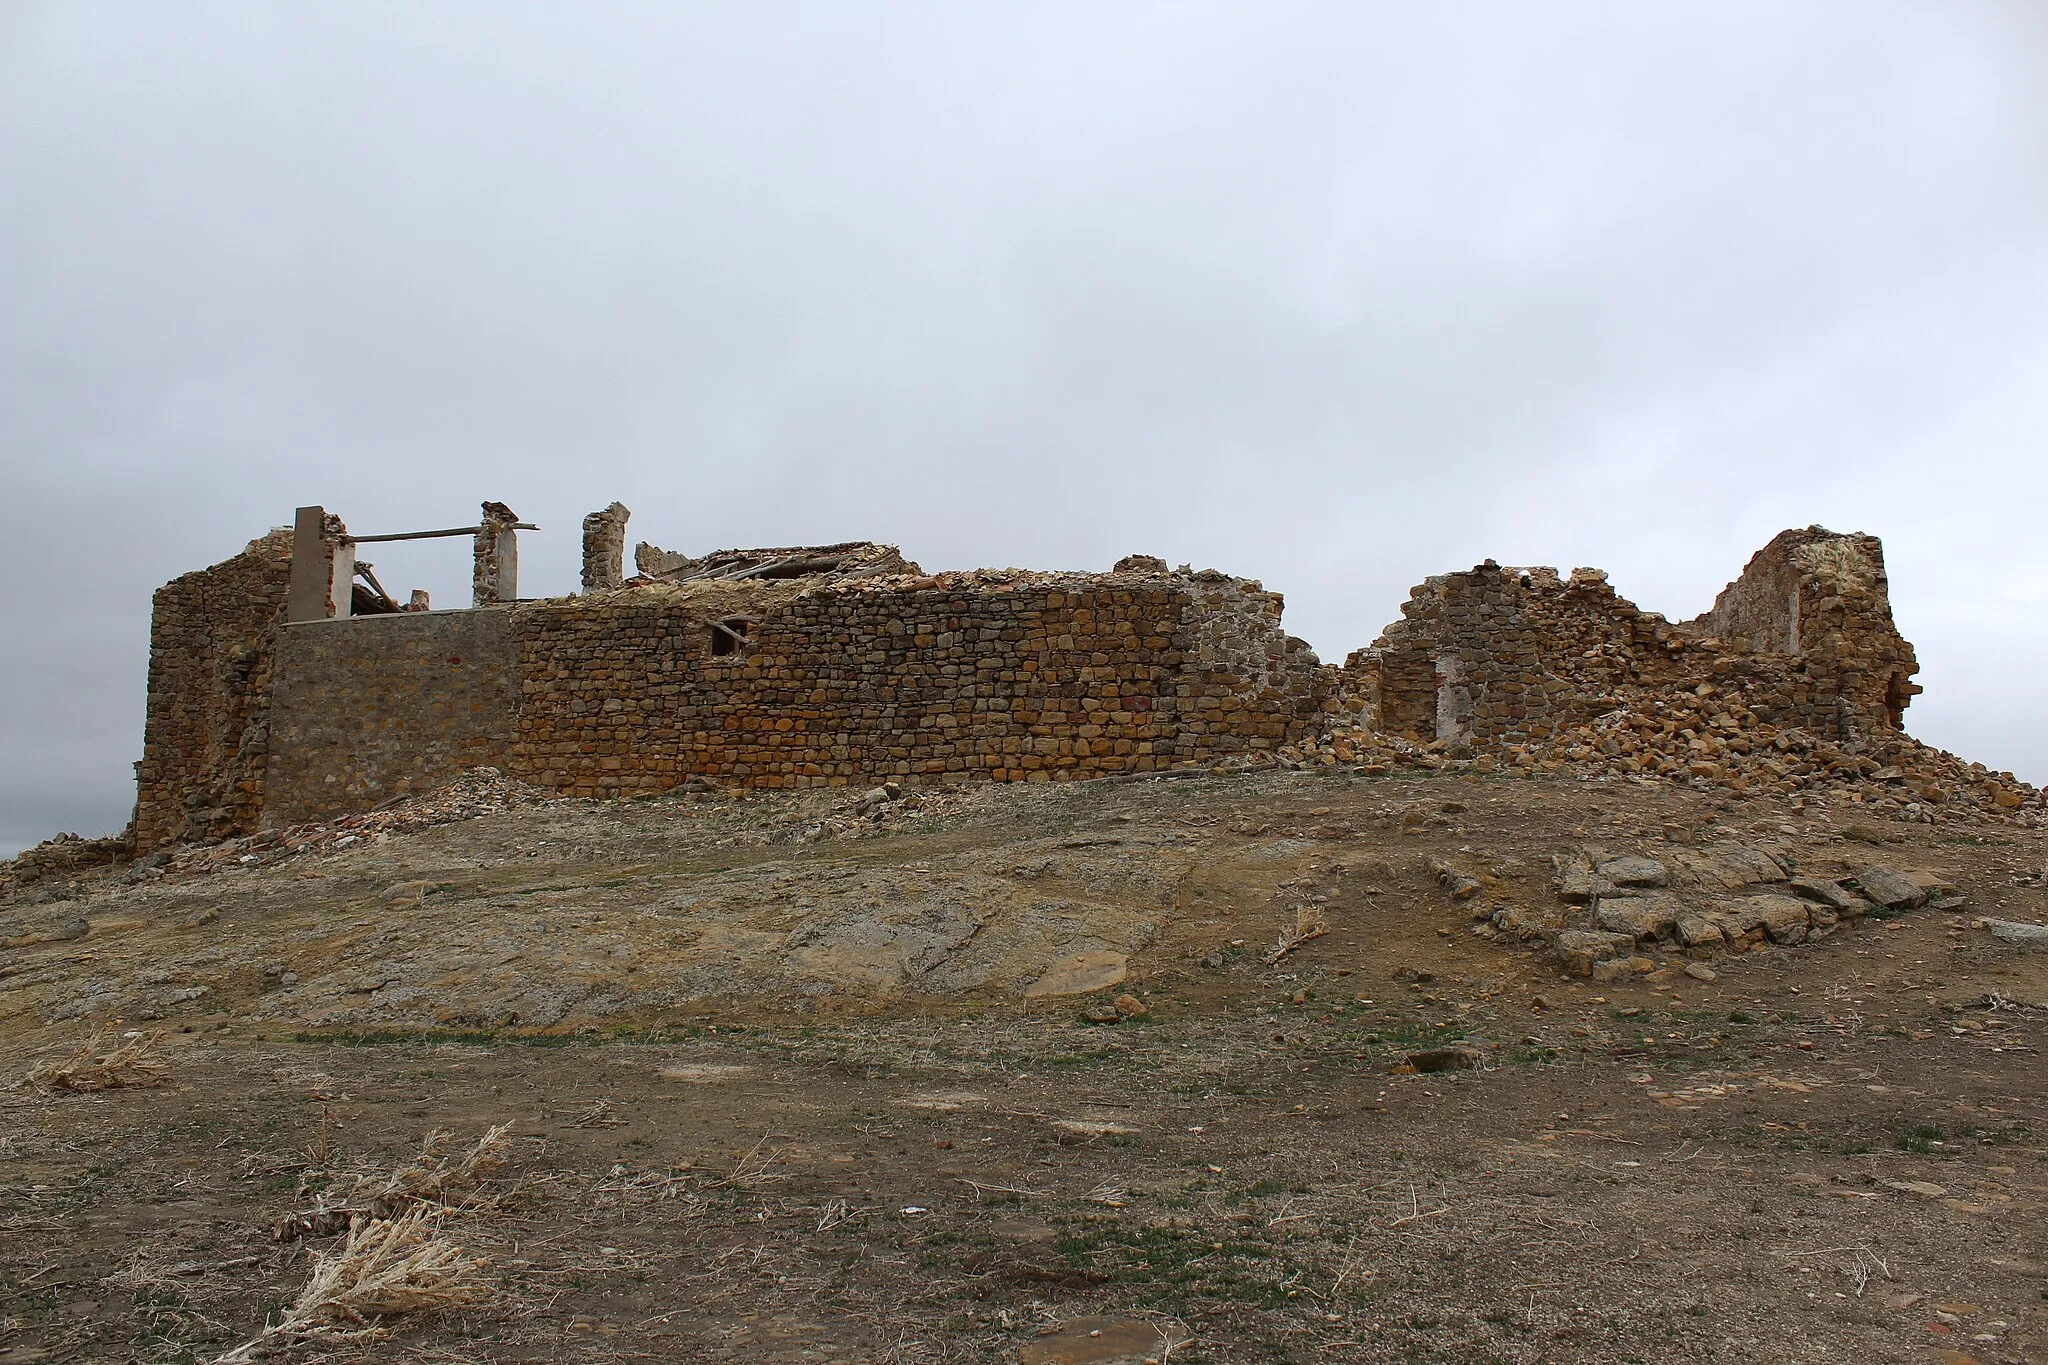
848 559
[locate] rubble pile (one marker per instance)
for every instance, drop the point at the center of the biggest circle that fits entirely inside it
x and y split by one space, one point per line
885 809
66 855
480 791
1624 913
1703 738
1797 680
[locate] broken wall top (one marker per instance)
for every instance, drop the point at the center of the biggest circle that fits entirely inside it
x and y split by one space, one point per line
848 559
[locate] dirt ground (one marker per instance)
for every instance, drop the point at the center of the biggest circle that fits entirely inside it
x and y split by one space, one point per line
789 1081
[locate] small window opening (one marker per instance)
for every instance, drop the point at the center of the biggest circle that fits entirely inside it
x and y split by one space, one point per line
728 637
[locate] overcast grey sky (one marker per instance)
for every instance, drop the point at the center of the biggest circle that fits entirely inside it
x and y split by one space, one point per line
1336 296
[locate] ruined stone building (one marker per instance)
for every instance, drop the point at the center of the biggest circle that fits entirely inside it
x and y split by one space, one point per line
286 684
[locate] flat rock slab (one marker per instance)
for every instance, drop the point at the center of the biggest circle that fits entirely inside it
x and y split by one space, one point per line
2018 934
62 932
1728 868
1633 870
1699 931
1892 890
1831 893
1579 949
1080 974
1784 918
1103 1341
1641 917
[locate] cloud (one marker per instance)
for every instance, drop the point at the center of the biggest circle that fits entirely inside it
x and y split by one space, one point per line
1337 296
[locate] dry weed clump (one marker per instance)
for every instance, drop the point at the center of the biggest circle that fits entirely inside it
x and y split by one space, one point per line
1309 924
388 1268
435 1180
430 1180
134 1064
396 1260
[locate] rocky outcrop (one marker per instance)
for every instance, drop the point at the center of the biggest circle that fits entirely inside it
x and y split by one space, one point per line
1622 911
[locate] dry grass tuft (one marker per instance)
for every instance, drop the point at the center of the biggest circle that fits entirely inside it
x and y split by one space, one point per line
1309 924
755 1168
1842 560
435 1180
388 1268
431 1180
132 1065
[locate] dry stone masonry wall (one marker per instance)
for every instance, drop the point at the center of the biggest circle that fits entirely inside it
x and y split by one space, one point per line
1505 657
604 548
1825 599
1007 677
206 741
846 664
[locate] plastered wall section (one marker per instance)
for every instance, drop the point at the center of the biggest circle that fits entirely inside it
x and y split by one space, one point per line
369 708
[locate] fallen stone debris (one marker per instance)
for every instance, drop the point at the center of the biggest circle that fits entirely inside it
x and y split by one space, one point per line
482 791
1700 742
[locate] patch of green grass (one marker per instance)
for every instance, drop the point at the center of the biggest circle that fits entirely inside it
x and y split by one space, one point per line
1921 1138
430 1037
1178 1270
1410 1035
493 1037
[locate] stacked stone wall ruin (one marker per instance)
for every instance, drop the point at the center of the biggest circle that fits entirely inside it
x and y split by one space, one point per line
1826 599
927 679
206 741
1497 657
846 664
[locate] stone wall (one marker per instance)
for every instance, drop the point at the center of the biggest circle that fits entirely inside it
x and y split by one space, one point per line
1004 677
374 707
844 664
205 740
604 548
1825 598
1499 657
